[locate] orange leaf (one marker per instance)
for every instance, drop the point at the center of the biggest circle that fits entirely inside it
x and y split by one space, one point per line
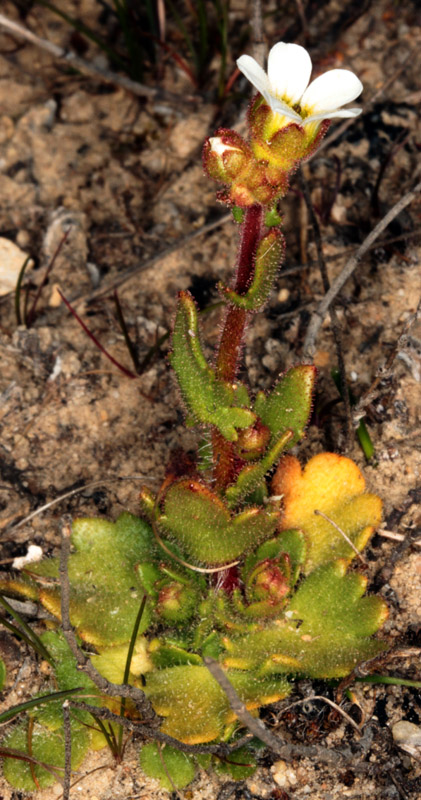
335 486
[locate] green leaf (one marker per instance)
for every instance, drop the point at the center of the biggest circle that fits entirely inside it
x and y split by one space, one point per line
148 574
288 406
105 587
195 707
207 400
67 675
22 586
111 661
170 655
48 747
334 486
204 528
171 767
240 764
272 217
237 213
2 674
268 257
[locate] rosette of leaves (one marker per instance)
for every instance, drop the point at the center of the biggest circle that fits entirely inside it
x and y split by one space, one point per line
295 608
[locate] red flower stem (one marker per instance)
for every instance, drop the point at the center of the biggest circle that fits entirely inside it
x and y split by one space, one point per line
232 337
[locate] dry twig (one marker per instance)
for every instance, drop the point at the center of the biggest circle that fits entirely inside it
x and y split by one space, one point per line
384 370
320 313
259 46
336 327
255 725
325 700
343 534
146 732
103 74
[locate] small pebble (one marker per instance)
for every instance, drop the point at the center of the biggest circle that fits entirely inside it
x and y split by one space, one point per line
283 774
23 238
408 736
283 295
12 259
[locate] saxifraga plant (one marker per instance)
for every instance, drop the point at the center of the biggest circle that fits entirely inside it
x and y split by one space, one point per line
249 572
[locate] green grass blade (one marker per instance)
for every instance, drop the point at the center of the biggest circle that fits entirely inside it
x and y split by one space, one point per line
128 663
362 432
38 701
35 641
18 290
83 29
20 634
390 679
186 36
203 33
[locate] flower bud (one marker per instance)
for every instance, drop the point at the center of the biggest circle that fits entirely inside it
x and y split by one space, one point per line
176 602
252 441
226 155
269 580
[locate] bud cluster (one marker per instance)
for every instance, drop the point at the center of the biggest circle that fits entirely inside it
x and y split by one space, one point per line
258 172
176 601
228 159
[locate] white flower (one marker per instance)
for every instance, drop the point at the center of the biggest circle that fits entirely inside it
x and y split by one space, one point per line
285 86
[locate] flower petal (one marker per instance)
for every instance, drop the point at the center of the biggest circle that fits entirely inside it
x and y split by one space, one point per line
338 112
331 91
289 70
255 74
278 107
220 147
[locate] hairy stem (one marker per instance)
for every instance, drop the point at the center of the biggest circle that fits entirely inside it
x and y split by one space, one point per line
232 337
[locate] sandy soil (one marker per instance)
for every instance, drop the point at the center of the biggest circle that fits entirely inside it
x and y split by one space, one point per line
124 177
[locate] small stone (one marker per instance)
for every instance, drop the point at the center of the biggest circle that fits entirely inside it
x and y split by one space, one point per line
408 737
283 774
12 259
269 362
6 128
55 299
283 295
321 358
338 212
23 238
